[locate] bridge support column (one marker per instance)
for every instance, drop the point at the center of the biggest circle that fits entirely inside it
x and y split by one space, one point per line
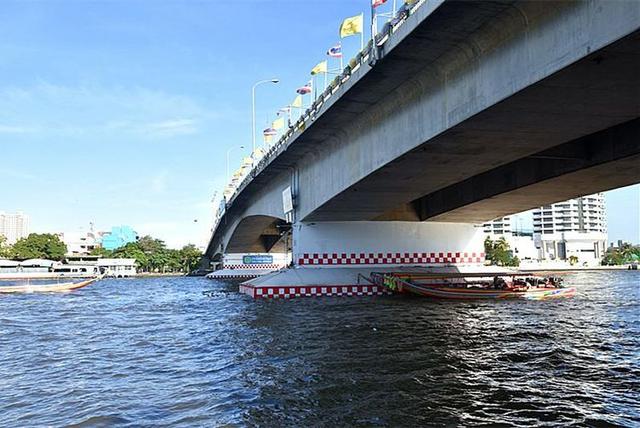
371 243
335 258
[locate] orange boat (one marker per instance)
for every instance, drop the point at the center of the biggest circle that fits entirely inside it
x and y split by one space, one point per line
506 285
48 288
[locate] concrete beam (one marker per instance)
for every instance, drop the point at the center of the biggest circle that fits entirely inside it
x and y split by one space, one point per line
544 178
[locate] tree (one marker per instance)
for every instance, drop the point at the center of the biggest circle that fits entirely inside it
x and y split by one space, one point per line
102 252
152 255
39 246
132 251
190 257
623 255
5 249
499 252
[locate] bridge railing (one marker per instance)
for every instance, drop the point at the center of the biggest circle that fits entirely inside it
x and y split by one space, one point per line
354 64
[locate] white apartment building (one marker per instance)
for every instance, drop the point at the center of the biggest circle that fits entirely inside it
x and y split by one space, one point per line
577 227
520 243
14 226
500 226
79 243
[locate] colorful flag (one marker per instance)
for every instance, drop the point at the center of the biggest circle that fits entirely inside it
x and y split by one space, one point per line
320 68
278 123
336 51
351 26
269 131
376 3
297 102
306 89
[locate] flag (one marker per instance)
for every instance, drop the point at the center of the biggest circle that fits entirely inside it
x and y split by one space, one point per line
297 102
376 3
286 110
335 52
278 123
306 89
320 68
269 131
352 26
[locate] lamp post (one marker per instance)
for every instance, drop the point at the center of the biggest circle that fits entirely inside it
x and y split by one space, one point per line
229 151
253 111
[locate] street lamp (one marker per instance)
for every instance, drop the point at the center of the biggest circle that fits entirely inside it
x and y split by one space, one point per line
229 151
253 110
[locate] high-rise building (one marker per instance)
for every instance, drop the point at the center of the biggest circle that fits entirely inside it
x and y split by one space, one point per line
574 228
14 226
500 226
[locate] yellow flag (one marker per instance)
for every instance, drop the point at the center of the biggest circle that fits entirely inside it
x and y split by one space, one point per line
352 25
297 102
268 138
278 123
320 68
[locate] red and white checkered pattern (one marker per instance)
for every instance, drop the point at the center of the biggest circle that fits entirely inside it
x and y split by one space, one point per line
287 292
234 276
389 258
270 266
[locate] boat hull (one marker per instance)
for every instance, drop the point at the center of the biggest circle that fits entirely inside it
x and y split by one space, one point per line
469 293
47 288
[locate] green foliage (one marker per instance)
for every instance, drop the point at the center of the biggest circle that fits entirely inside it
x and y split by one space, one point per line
102 252
152 256
190 257
499 253
5 250
623 255
573 260
39 246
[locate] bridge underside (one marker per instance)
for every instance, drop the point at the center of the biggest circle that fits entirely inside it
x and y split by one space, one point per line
574 133
258 234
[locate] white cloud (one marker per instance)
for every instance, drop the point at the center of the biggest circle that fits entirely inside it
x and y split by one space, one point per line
138 112
9 129
169 128
20 175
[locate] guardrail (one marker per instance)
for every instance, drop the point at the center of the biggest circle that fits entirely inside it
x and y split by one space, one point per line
354 64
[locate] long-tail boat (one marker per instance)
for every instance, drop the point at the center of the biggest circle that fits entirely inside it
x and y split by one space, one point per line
480 285
48 288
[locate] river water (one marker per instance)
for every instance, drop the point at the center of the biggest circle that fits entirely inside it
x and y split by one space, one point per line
157 352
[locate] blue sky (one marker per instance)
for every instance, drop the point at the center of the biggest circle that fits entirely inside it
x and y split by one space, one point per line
121 112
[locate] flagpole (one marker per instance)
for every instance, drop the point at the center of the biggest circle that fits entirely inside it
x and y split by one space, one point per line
374 28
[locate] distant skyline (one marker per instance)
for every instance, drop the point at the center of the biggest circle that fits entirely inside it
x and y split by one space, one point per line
121 112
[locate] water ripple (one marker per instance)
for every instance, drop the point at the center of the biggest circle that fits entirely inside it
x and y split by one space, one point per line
160 352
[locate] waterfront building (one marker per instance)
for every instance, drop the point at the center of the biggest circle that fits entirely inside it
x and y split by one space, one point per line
118 237
79 243
14 226
118 268
574 228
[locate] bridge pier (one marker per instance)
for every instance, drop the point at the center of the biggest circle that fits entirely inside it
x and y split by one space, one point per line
334 258
393 243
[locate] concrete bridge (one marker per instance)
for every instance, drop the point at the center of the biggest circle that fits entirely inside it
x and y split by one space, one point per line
469 110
